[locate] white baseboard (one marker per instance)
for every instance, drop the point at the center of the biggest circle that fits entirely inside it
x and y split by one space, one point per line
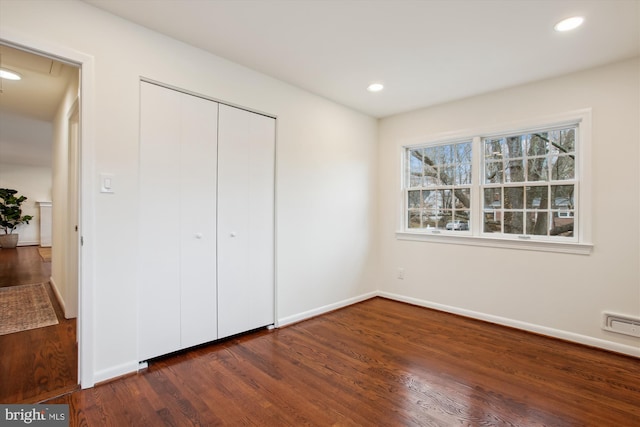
58 295
115 372
133 366
324 309
542 330
28 242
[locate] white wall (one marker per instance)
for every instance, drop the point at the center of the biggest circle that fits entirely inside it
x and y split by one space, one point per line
25 165
24 140
33 182
67 291
326 161
334 244
566 294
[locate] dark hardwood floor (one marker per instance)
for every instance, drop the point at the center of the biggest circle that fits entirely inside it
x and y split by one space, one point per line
376 363
23 266
40 363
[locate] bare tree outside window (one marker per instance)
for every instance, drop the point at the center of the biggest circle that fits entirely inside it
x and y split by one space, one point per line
520 185
526 182
440 178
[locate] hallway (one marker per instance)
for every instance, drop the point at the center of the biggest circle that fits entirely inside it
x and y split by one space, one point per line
36 364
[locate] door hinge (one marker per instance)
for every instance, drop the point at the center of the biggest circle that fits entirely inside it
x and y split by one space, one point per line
81 240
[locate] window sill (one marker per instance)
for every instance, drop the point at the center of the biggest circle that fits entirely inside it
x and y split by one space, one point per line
469 240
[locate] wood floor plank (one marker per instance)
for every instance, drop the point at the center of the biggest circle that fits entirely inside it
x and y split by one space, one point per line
41 363
379 363
23 266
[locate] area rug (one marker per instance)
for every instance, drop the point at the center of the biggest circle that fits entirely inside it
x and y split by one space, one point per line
25 307
45 254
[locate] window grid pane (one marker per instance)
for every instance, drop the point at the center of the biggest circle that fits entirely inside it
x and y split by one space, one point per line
529 183
440 178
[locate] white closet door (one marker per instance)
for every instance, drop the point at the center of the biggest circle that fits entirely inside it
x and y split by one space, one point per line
177 292
159 238
246 158
198 220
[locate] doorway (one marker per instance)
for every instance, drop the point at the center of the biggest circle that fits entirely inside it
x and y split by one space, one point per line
44 102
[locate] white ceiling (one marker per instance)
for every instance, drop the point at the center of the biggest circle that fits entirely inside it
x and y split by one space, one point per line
425 52
39 93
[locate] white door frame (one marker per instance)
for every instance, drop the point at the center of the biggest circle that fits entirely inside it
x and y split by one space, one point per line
86 280
72 230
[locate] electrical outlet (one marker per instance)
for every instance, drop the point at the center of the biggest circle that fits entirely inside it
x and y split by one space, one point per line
401 273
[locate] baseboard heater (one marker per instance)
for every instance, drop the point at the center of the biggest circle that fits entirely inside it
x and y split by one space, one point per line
621 324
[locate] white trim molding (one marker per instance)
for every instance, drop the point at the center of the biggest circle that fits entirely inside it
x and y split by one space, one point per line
529 327
116 371
531 245
324 309
512 323
85 328
58 295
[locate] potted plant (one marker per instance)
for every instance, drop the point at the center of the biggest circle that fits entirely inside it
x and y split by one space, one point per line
11 216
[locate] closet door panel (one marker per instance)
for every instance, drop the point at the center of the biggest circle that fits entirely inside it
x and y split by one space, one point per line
246 155
159 315
198 220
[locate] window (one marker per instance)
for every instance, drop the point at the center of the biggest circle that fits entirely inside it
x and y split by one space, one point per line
517 186
529 186
439 193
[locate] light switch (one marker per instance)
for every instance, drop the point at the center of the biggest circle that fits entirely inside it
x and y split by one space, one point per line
106 183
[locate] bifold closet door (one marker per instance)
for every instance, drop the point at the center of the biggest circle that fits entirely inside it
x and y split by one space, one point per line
177 288
198 161
246 200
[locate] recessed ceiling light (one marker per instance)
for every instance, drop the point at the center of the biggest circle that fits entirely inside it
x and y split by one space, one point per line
9 75
569 24
375 87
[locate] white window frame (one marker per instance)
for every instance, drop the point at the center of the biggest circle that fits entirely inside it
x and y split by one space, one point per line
580 244
440 187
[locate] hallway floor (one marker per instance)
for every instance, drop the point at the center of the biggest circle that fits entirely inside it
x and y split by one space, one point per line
37 364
